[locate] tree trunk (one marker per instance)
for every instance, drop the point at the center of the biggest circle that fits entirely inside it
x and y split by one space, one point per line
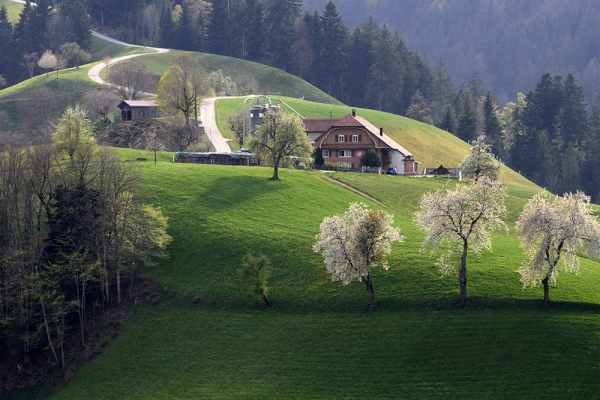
275 173
266 300
372 303
546 301
462 275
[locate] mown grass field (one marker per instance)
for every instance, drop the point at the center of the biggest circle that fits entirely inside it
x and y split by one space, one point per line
317 340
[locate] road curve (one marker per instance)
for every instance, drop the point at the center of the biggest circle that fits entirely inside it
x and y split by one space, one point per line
207 108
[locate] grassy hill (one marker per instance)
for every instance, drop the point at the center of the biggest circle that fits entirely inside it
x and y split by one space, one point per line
431 146
209 338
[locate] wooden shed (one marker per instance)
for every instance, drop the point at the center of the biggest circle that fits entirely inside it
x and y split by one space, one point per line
133 110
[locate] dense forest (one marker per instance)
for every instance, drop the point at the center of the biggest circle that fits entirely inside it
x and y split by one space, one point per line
510 43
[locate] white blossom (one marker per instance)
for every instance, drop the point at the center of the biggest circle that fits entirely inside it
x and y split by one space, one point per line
552 230
354 242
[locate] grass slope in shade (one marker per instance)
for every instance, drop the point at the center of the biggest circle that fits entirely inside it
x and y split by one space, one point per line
317 340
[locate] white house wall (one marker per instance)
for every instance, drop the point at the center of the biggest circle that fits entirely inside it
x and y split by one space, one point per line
396 160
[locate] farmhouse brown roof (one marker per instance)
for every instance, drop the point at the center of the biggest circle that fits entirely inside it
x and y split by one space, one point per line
347 121
318 125
385 138
325 124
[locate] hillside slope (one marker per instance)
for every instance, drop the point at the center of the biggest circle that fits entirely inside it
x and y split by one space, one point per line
430 146
209 338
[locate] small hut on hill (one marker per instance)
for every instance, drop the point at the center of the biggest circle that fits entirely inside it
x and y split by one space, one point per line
133 110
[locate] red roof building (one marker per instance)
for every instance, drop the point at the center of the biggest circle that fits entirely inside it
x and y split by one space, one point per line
344 141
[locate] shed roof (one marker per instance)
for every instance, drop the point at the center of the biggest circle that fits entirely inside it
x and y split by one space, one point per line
138 103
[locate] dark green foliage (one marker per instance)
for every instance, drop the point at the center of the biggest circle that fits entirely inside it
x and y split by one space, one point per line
255 272
75 12
332 54
491 125
279 17
370 159
467 120
448 122
319 160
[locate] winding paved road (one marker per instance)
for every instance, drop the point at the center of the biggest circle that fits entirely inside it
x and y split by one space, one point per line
207 108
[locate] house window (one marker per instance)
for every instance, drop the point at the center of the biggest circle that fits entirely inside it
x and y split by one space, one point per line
325 153
385 152
344 153
355 138
340 138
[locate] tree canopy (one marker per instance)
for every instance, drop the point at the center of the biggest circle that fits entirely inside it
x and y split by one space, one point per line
279 138
553 230
480 161
356 241
461 218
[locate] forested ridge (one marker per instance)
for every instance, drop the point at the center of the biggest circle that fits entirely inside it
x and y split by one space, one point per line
510 43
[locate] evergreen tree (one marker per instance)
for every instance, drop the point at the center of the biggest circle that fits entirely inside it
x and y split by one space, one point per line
467 121
254 38
386 72
76 14
448 122
572 116
8 62
333 54
219 28
167 27
279 23
491 124
186 29
361 45
443 90
591 166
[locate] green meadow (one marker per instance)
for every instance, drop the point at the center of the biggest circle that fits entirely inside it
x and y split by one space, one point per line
209 338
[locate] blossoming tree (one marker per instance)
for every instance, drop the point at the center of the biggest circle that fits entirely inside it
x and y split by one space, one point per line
461 218
552 231
354 242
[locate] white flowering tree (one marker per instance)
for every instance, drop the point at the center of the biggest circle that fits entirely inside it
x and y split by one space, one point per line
480 161
356 241
461 219
553 229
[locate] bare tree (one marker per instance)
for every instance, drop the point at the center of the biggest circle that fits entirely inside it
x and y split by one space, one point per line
99 103
463 219
182 134
2 81
132 79
30 61
149 20
235 122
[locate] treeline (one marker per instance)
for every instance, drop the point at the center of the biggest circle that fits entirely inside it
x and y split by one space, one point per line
369 67
72 234
511 43
40 28
546 135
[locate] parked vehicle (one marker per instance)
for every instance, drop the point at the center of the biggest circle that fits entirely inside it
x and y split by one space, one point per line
392 171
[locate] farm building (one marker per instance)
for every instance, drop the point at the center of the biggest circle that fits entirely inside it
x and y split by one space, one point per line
231 158
344 141
133 110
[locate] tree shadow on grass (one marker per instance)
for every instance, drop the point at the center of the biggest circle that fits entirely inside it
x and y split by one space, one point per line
229 192
358 306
